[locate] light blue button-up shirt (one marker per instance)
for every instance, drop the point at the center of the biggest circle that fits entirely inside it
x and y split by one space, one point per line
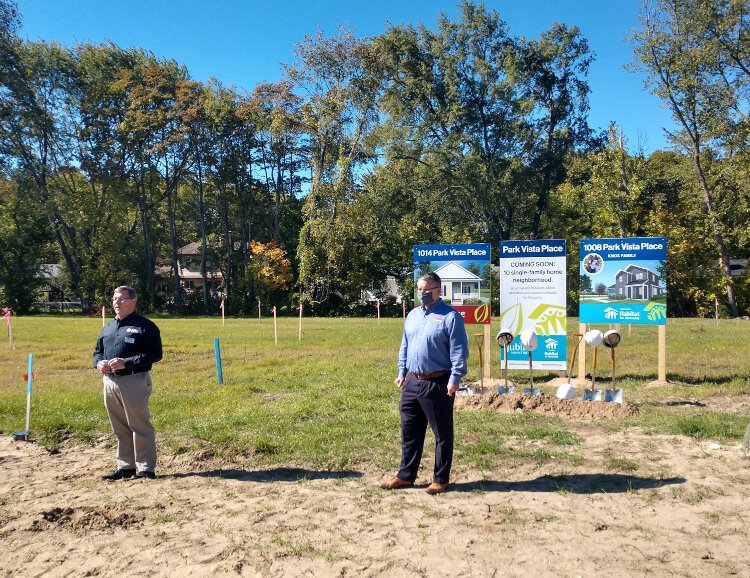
434 340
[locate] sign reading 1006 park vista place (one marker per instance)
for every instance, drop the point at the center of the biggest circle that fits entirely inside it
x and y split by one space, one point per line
465 274
623 281
532 296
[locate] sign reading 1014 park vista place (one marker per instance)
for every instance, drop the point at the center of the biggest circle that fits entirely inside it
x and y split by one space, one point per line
465 274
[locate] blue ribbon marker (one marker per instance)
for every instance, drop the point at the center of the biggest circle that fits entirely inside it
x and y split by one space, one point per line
218 361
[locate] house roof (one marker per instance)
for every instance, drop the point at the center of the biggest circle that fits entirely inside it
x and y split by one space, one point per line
190 249
187 273
629 267
195 247
454 272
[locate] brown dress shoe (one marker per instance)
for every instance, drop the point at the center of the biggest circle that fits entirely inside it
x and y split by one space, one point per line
435 488
395 483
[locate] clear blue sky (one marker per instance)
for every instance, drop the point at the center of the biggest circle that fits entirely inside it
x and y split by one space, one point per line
243 42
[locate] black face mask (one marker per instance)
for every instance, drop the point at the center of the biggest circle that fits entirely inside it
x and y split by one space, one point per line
425 297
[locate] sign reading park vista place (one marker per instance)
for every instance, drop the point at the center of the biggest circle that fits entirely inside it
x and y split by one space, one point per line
532 296
623 281
465 274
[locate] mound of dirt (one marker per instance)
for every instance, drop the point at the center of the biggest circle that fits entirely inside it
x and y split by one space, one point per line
86 519
574 408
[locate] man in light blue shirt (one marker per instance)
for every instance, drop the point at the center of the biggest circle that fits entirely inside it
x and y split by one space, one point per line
431 362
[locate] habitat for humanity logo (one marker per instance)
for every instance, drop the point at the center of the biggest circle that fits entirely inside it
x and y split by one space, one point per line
629 314
610 313
551 351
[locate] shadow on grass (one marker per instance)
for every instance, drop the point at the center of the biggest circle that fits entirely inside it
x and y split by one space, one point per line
575 484
675 379
272 475
696 380
680 403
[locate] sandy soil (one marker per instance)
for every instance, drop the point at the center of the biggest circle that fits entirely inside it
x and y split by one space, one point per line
634 505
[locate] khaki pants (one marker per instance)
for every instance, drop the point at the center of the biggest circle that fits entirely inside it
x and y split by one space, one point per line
126 400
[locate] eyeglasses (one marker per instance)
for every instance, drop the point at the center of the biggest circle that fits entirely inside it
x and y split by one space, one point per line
116 299
430 289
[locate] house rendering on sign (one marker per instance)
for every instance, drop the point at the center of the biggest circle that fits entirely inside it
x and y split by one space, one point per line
636 282
459 284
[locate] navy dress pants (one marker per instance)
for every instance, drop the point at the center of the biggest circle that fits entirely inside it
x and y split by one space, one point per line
426 401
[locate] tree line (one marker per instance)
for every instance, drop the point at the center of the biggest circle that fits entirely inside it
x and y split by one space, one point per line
315 188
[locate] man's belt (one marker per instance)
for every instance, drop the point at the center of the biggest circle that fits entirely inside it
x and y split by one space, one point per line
432 375
122 372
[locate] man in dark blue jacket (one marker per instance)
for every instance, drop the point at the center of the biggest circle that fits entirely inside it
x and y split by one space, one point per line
127 348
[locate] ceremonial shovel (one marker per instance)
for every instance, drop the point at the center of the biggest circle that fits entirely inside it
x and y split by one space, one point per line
611 340
593 339
505 338
479 340
566 390
529 342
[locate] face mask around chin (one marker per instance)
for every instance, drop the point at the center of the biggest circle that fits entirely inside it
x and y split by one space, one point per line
425 297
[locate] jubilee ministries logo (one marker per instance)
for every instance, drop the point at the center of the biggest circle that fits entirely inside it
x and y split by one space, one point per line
482 313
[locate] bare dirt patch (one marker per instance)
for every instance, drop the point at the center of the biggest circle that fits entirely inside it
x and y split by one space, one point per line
634 504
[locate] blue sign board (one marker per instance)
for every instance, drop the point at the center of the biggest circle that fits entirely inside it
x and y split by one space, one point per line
465 274
623 281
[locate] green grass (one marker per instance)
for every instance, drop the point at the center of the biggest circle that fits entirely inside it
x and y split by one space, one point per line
329 401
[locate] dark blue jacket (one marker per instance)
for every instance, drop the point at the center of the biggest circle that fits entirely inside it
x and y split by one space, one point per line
134 338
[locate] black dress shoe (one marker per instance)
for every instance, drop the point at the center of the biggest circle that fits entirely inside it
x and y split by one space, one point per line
120 474
145 474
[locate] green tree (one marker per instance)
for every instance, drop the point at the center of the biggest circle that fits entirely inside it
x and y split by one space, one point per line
155 116
336 118
695 54
36 137
554 69
24 235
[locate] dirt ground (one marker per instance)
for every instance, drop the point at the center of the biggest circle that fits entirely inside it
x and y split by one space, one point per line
633 505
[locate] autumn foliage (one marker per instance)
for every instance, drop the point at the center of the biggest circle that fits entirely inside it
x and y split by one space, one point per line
270 265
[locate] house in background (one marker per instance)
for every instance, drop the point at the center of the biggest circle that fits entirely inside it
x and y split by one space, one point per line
636 282
51 293
389 292
189 259
459 284
51 288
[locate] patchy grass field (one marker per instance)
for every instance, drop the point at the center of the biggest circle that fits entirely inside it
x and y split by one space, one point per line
328 401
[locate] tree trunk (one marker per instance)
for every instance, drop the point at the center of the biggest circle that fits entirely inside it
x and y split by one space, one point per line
148 250
170 191
718 237
202 227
